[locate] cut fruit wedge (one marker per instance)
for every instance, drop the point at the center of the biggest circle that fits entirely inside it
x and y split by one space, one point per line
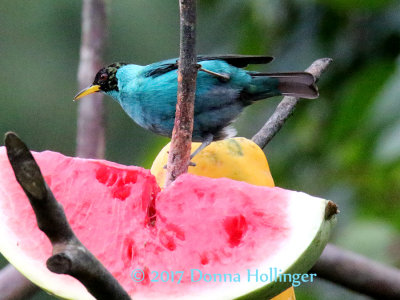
212 238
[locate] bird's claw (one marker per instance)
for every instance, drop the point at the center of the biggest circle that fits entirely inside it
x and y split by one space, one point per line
191 164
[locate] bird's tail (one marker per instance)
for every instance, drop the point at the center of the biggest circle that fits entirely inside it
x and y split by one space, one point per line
297 84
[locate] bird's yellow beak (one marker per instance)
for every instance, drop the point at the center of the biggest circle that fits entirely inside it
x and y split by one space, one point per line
90 90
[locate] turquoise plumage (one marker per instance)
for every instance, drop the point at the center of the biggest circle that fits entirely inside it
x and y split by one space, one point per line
148 94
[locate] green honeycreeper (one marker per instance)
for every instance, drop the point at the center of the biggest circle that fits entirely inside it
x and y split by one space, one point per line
148 94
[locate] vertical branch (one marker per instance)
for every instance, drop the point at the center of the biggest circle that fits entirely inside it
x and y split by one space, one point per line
91 133
179 154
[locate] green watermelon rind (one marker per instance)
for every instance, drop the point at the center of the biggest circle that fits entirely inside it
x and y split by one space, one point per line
304 249
303 264
309 212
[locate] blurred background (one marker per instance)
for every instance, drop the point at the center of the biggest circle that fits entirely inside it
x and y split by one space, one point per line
344 146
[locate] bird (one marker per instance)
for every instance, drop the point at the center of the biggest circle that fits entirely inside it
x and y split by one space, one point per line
148 94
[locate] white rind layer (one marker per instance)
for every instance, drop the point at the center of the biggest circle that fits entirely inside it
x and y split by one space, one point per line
307 238
33 269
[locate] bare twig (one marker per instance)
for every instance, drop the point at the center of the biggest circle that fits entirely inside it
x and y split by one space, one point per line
286 107
358 273
179 153
91 132
70 256
13 285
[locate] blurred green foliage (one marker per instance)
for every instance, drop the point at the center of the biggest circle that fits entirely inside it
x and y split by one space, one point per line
344 146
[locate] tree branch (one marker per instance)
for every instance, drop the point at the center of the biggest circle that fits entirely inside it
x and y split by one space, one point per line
70 256
345 268
286 107
358 273
179 153
91 132
14 285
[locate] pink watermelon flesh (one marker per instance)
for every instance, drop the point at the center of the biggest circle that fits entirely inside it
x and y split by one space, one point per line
214 225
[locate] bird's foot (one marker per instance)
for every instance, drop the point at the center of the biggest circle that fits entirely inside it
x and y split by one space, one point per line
207 141
191 164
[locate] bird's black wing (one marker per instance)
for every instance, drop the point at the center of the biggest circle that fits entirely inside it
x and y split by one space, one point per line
239 61
158 69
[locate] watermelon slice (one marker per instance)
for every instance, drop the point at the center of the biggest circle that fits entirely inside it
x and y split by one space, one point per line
212 239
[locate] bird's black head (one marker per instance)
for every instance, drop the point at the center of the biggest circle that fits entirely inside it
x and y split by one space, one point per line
105 81
106 78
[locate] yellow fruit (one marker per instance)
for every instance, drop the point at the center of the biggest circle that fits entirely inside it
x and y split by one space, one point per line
237 158
286 295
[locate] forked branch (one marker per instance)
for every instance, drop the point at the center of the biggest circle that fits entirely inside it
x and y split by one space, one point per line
70 256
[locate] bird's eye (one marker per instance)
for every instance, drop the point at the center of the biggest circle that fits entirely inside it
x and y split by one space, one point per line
103 77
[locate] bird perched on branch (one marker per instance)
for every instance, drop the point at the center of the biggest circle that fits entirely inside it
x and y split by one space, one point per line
148 94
